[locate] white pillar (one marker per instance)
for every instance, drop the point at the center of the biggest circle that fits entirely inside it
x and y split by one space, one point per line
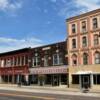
91 80
1 79
80 81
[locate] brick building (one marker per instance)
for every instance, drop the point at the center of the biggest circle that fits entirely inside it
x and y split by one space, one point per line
49 65
84 49
74 62
14 66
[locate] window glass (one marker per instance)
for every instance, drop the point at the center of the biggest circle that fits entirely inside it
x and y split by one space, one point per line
73 43
84 26
85 59
95 24
84 40
73 28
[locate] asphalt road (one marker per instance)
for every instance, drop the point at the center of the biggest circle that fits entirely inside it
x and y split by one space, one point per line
13 95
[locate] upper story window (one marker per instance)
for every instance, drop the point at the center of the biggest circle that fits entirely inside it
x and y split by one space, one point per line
8 63
83 26
1 63
36 61
73 43
73 28
84 41
97 58
74 59
95 23
58 59
46 60
85 59
96 39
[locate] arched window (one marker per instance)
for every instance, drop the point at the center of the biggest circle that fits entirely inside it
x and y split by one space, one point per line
85 58
97 58
74 59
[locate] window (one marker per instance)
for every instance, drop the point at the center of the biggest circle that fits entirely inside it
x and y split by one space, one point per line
36 61
8 63
96 39
57 59
96 79
84 41
84 26
46 59
75 79
73 28
73 43
97 58
85 58
95 23
1 63
74 59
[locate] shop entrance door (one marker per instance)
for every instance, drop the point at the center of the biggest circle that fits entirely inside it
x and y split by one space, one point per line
55 80
85 81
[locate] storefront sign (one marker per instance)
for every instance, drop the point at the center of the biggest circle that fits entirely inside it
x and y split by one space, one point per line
49 70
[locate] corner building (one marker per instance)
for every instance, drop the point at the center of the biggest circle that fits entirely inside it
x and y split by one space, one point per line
84 50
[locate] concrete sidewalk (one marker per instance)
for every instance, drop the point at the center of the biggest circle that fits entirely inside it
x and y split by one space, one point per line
49 90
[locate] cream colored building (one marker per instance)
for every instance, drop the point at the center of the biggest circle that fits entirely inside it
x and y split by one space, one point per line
84 50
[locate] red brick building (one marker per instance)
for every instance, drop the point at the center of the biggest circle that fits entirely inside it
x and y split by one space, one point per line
14 66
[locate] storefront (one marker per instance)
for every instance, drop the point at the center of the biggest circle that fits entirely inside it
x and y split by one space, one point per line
83 78
54 76
14 75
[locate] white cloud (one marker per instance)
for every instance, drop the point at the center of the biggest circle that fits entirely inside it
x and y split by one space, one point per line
76 7
88 4
8 6
8 44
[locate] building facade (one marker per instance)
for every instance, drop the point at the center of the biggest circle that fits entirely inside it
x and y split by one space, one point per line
49 65
84 50
14 66
74 62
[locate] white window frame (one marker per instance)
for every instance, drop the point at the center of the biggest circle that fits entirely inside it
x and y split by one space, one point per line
58 59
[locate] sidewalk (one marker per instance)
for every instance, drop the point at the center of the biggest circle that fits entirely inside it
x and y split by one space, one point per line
50 90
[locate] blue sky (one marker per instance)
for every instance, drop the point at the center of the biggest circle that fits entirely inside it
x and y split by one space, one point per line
25 23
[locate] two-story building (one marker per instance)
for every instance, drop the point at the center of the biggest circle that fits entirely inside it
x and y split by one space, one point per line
84 49
49 65
14 66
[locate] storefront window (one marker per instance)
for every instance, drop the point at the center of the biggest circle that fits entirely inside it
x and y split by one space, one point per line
96 79
75 79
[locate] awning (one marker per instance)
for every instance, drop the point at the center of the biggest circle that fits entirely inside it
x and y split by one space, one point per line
83 72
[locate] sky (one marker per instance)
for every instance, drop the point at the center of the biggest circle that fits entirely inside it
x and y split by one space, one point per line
31 23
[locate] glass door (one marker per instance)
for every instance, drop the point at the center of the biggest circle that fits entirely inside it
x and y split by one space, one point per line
85 81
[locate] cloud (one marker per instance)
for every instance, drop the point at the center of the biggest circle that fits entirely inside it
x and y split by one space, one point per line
8 44
88 4
76 7
10 5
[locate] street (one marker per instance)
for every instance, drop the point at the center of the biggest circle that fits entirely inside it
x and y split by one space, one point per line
13 95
